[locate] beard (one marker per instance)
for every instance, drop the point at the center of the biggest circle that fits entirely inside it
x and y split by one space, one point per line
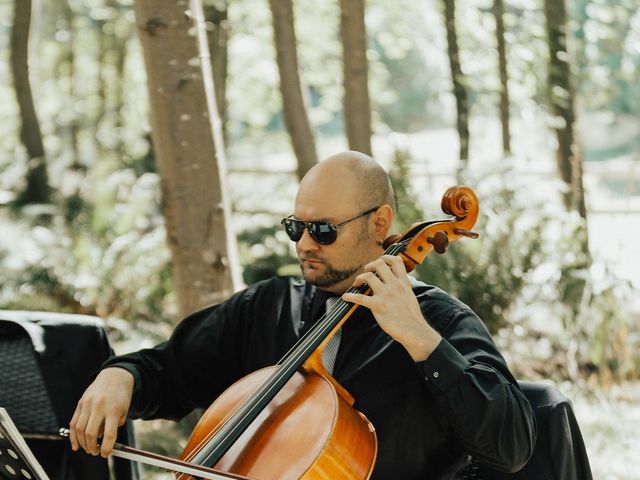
330 277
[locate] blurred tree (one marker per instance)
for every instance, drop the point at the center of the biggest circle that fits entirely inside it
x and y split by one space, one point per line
607 56
102 50
187 143
357 108
498 13
37 184
68 126
114 32
293 104
561 95
402 99
581 16
217 16
459 83
120 39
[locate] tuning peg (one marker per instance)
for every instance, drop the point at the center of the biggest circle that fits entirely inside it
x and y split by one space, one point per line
465 233
440 242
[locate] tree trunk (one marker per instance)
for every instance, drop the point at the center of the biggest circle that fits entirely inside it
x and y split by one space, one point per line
112 49
71 128
217 19
120 45
459 83
561 99
103 49
37 183
357 108
498 13
580 39
295 113
188 147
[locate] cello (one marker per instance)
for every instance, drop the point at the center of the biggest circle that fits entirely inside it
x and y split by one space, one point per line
293 420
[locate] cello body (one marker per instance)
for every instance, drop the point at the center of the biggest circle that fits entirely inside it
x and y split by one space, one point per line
308 431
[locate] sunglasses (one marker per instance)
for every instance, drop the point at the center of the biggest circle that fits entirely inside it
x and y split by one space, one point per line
324 233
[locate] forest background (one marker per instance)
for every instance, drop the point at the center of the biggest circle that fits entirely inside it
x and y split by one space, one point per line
535 104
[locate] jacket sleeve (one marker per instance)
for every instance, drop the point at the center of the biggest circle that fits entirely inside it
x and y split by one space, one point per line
201 358
479 401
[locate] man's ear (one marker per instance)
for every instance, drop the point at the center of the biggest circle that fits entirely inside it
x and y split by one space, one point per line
382 221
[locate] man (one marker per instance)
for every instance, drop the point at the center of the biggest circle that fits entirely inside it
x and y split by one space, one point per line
419 363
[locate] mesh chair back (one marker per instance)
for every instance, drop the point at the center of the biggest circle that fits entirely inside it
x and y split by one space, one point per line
22 390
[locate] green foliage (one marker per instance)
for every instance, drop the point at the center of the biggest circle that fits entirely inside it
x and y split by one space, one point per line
593 310
404 101
607 36
111 260
489 273
264 252
407 211
530 280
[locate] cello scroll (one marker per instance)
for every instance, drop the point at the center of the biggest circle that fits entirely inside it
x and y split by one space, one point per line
422 238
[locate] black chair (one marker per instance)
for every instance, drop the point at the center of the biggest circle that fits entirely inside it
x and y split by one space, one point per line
46 362
559 453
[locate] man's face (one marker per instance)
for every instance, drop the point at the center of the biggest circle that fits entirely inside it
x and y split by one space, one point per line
333 267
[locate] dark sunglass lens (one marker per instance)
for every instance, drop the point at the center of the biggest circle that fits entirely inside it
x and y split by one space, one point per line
293 228
322 232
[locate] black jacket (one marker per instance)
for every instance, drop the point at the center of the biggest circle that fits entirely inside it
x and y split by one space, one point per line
429 416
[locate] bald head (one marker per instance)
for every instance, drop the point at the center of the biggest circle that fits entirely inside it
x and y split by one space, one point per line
355 177
351 191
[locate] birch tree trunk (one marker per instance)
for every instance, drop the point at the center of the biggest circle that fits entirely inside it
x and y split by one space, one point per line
216 15
498 13
357 108
295 112
189 151
459 83
561 97
37 188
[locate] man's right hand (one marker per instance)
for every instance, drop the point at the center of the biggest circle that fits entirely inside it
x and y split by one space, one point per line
101 410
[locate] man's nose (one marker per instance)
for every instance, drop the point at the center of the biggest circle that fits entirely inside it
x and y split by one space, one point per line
306 242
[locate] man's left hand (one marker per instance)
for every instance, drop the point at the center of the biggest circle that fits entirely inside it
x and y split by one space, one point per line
395 306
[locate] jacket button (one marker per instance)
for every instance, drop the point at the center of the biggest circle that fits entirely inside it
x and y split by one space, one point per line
436 374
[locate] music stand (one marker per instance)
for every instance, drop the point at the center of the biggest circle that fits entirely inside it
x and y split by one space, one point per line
16 460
